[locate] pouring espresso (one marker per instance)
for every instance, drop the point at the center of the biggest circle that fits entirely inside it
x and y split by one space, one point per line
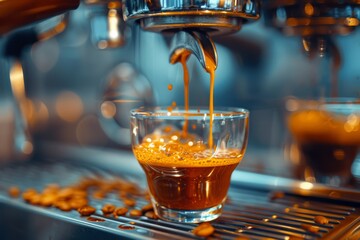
193 24
187 42
181 190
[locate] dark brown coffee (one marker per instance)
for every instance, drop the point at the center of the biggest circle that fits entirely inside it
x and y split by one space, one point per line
328 143
188 188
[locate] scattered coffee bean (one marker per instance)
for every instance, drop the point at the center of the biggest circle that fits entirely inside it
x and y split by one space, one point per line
28 194
135 213
63 205
77 203
241 238
51 188
14 192
48 199
276 195
108 208
120 211
310 228
296 238
204 230
35 199
321 220
99 194
151 215
86 211
129 202
65 193
147 207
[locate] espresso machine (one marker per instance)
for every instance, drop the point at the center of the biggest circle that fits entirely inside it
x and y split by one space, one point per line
317 24
69 80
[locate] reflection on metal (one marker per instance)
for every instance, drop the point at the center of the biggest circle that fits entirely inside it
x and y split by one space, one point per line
31 113
17 81
125 89
213 16
108 109
306 185
23 142
52 27
108 29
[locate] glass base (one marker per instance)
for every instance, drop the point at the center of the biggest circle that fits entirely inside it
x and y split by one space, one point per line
341 179
188 216
334 181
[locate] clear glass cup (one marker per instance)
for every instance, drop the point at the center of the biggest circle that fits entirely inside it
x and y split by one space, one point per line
327 135
188 177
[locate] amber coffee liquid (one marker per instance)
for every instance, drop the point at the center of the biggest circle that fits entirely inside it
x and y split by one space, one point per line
187 181
210 68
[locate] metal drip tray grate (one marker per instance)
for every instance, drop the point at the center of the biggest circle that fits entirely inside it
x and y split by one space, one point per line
250 212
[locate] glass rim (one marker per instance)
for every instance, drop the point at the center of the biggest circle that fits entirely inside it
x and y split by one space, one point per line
327 100
201 111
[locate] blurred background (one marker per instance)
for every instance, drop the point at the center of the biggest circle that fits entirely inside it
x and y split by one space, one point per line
77 88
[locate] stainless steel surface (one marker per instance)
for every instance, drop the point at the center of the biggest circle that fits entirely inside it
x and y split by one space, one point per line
198 43
125 89
217 17
250 211
52 27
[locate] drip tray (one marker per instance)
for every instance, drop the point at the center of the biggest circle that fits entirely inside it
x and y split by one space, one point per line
258 207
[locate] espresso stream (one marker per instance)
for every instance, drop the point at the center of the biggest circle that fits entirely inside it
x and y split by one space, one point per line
183 59
210 68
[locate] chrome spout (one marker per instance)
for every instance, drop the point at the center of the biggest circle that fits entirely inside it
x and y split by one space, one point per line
199 43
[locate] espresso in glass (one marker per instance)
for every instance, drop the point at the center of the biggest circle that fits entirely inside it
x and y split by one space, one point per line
328 136
187 178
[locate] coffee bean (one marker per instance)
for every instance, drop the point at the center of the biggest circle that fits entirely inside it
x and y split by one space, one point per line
204 230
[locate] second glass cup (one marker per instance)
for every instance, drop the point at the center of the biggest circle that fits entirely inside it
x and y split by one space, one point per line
327 132
188 159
